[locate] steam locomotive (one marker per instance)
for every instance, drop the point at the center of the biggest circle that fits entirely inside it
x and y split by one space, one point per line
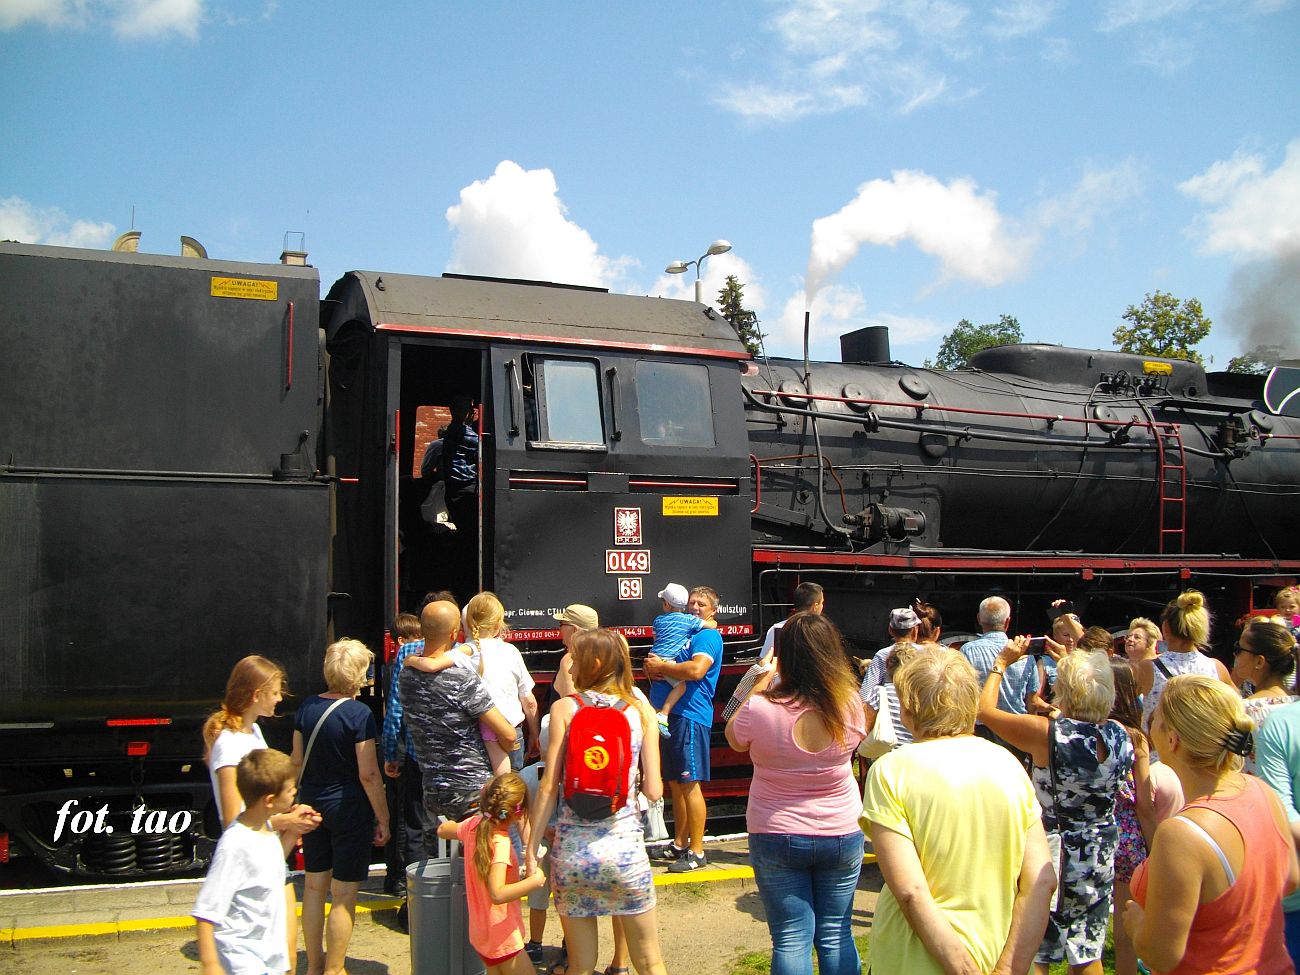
203 459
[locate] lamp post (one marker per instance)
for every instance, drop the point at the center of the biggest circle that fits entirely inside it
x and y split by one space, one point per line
680 267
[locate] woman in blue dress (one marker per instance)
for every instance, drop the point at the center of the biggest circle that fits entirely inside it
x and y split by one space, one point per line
1081 759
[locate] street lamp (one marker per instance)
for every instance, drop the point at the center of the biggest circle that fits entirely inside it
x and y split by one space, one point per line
680 267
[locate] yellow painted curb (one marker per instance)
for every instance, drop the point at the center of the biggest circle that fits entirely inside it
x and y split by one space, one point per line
59 931
704 875
99 928
377 905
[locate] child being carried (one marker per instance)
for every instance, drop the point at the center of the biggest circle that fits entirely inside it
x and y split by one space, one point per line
673 629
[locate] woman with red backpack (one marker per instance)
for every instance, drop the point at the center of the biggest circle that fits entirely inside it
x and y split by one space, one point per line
598 737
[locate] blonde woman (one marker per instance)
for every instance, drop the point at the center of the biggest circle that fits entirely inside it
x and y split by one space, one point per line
1185 626
958 833
334 749
1142 641
1081 760
1209 898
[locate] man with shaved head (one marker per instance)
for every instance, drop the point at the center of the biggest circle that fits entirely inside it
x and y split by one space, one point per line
443 711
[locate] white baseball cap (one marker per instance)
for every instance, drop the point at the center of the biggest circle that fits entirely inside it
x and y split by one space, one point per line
676 595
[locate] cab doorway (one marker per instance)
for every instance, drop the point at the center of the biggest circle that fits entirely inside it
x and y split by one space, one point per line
437 449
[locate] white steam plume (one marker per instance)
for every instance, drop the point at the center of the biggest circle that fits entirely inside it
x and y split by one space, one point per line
951 221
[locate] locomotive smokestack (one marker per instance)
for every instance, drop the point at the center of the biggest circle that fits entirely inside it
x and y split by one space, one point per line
294 256
870 344
807 331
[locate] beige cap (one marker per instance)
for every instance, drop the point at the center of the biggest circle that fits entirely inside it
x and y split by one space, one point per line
583 617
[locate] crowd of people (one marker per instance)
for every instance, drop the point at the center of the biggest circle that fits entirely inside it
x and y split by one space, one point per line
1024 794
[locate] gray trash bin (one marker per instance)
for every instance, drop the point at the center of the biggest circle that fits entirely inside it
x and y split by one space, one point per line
439 924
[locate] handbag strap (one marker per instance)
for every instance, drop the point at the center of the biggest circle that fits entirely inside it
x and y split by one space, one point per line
1051 768
1161 666
306 752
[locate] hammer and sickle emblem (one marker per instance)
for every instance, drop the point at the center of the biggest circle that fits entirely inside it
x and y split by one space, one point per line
596 758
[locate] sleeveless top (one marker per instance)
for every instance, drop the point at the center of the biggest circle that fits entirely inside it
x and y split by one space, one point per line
1177 664
1241 930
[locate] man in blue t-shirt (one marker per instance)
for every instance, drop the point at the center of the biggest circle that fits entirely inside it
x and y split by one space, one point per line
686 755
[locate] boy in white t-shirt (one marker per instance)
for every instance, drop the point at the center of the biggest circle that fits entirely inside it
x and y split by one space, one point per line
240 911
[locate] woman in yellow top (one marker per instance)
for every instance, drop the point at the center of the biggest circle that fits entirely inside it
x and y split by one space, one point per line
958 835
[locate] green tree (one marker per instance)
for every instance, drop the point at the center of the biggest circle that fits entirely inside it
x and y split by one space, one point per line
966 339
1164 326
731 302
1257 362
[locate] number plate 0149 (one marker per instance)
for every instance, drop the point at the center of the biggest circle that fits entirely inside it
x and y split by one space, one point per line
627 561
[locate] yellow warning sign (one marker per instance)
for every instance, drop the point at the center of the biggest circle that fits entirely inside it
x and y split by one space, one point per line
1158 368
697 507
596 758
245 288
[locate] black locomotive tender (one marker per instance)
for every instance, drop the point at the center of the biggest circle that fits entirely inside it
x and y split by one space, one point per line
203 459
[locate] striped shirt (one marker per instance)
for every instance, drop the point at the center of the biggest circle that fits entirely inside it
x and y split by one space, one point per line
887 691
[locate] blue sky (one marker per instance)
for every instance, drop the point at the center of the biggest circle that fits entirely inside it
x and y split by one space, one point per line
908 163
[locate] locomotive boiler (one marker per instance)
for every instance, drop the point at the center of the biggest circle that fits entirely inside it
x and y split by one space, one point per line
1037 463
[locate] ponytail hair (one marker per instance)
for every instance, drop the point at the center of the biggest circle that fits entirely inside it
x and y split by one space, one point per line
1187 618
504 798
484 617
1211 720
248 677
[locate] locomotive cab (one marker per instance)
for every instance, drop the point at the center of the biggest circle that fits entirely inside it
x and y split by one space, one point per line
612 453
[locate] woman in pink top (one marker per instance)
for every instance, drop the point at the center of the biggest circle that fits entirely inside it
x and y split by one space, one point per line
1209 898
805 844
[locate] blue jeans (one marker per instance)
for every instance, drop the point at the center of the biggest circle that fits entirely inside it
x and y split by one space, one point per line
807 885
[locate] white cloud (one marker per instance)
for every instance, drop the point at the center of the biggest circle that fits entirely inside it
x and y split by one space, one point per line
834 26
838 54
759 101
1251 212
1167 55
1099 190
132 19
1019 18
513 225
51 13
21 221
155 18
952 221
1116 14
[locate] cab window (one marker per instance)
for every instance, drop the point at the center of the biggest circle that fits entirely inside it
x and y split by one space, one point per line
675 403
564 402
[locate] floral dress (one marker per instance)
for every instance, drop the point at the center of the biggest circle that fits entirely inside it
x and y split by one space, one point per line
1082 812
600 867
1132 848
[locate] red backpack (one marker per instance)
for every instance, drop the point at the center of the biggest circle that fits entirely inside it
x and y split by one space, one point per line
597 758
